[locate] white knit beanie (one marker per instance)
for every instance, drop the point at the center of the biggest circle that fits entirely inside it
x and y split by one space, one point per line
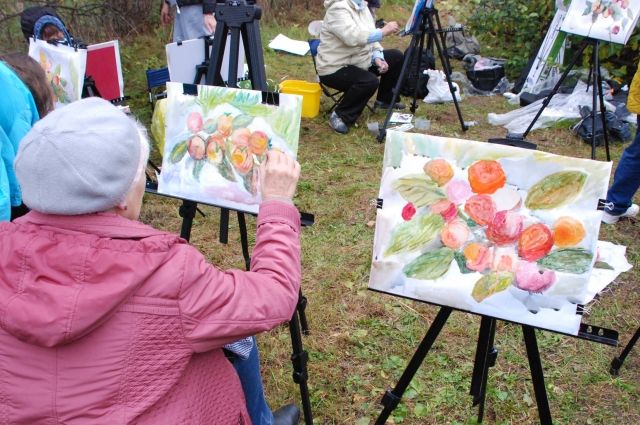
79 159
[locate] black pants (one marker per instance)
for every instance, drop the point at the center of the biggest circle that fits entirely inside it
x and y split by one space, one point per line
359 85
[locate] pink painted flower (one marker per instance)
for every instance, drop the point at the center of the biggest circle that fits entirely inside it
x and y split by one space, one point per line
194 122
408 211
504 259
481 209
530 278
454 234
240 137
458 191
505 228
478 256
615 29
446 209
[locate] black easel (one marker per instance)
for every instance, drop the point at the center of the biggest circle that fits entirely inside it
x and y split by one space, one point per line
240 17
616 363
594 72
429 26
485 358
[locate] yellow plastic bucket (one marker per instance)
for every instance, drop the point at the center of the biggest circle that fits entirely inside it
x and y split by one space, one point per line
310 93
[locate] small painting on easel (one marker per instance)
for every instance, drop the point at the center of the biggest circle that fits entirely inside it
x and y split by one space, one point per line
216 138
495 230
607 20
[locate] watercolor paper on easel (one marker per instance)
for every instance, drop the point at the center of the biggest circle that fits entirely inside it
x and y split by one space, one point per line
216 139
608 20
491 229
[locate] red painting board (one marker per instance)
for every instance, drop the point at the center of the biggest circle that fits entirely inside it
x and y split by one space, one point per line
103 65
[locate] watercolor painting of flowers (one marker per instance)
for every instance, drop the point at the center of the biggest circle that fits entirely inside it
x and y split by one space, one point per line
64 68
216 140
491 229
608 20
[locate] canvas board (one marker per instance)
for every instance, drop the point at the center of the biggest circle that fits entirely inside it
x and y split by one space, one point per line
103 65
490 229
184 56
607 20
64 67
216 139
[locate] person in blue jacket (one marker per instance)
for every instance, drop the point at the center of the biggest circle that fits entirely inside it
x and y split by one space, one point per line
18 112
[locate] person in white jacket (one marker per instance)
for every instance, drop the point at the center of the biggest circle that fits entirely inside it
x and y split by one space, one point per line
350 59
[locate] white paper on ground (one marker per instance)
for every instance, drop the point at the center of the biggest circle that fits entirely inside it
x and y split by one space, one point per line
284 43
399 117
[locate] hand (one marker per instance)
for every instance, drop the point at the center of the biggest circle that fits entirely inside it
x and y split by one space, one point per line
390 28
382 65
279 175
165 14
210 22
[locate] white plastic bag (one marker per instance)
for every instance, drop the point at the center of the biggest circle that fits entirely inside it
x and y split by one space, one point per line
439 88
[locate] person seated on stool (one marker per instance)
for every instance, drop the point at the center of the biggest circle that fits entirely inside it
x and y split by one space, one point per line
350 59
107 320
626 179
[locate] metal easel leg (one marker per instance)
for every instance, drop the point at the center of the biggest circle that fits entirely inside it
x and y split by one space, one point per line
537 375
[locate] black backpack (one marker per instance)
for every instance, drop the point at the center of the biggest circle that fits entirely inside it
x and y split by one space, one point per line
413 77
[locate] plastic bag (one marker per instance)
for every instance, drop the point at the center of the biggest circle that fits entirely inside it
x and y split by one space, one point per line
157 124
439 88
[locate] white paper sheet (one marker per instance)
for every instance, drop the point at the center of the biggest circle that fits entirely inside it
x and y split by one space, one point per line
285 44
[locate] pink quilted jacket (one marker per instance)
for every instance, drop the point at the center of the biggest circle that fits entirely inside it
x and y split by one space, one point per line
104 320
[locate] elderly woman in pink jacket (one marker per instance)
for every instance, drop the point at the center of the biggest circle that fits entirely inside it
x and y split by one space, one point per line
104 320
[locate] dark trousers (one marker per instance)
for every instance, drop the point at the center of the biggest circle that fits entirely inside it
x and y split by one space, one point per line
359 85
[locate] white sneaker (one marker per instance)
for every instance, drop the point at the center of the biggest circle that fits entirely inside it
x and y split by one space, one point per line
632 211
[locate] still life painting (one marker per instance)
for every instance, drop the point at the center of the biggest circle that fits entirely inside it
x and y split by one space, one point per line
608 20
215 140
64 68
491 229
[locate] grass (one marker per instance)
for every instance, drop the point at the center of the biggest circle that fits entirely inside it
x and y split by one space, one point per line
360 340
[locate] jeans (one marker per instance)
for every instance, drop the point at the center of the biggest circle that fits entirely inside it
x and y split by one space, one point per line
626 179
249 372
360 84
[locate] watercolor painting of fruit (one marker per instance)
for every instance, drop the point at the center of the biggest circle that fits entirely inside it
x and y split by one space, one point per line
490 229
608 20
216 140
64 68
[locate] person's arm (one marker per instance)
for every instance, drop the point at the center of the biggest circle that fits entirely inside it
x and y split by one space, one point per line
220 307
208 10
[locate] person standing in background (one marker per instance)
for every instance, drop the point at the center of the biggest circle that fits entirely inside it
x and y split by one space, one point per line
193 18
626 179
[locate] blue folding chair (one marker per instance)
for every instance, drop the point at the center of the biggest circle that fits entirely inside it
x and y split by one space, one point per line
334 94
157 83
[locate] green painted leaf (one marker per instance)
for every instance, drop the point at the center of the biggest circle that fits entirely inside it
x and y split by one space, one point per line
225 170
491 284
178 152
419 189
241 121
415 233
430 265
555 190
602 265
568 260
462 262
197 168
246 181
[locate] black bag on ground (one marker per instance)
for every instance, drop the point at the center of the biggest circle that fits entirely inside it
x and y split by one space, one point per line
413 77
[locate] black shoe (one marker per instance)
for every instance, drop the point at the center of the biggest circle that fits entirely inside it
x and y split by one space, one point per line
337 124
378 104
286 415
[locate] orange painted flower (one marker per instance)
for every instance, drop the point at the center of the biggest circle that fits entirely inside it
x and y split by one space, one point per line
454 234
535 242
258 142
478 256
218 140
242 160
481 209
439 170
486 176
504 259
214 153
568 231
224 125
